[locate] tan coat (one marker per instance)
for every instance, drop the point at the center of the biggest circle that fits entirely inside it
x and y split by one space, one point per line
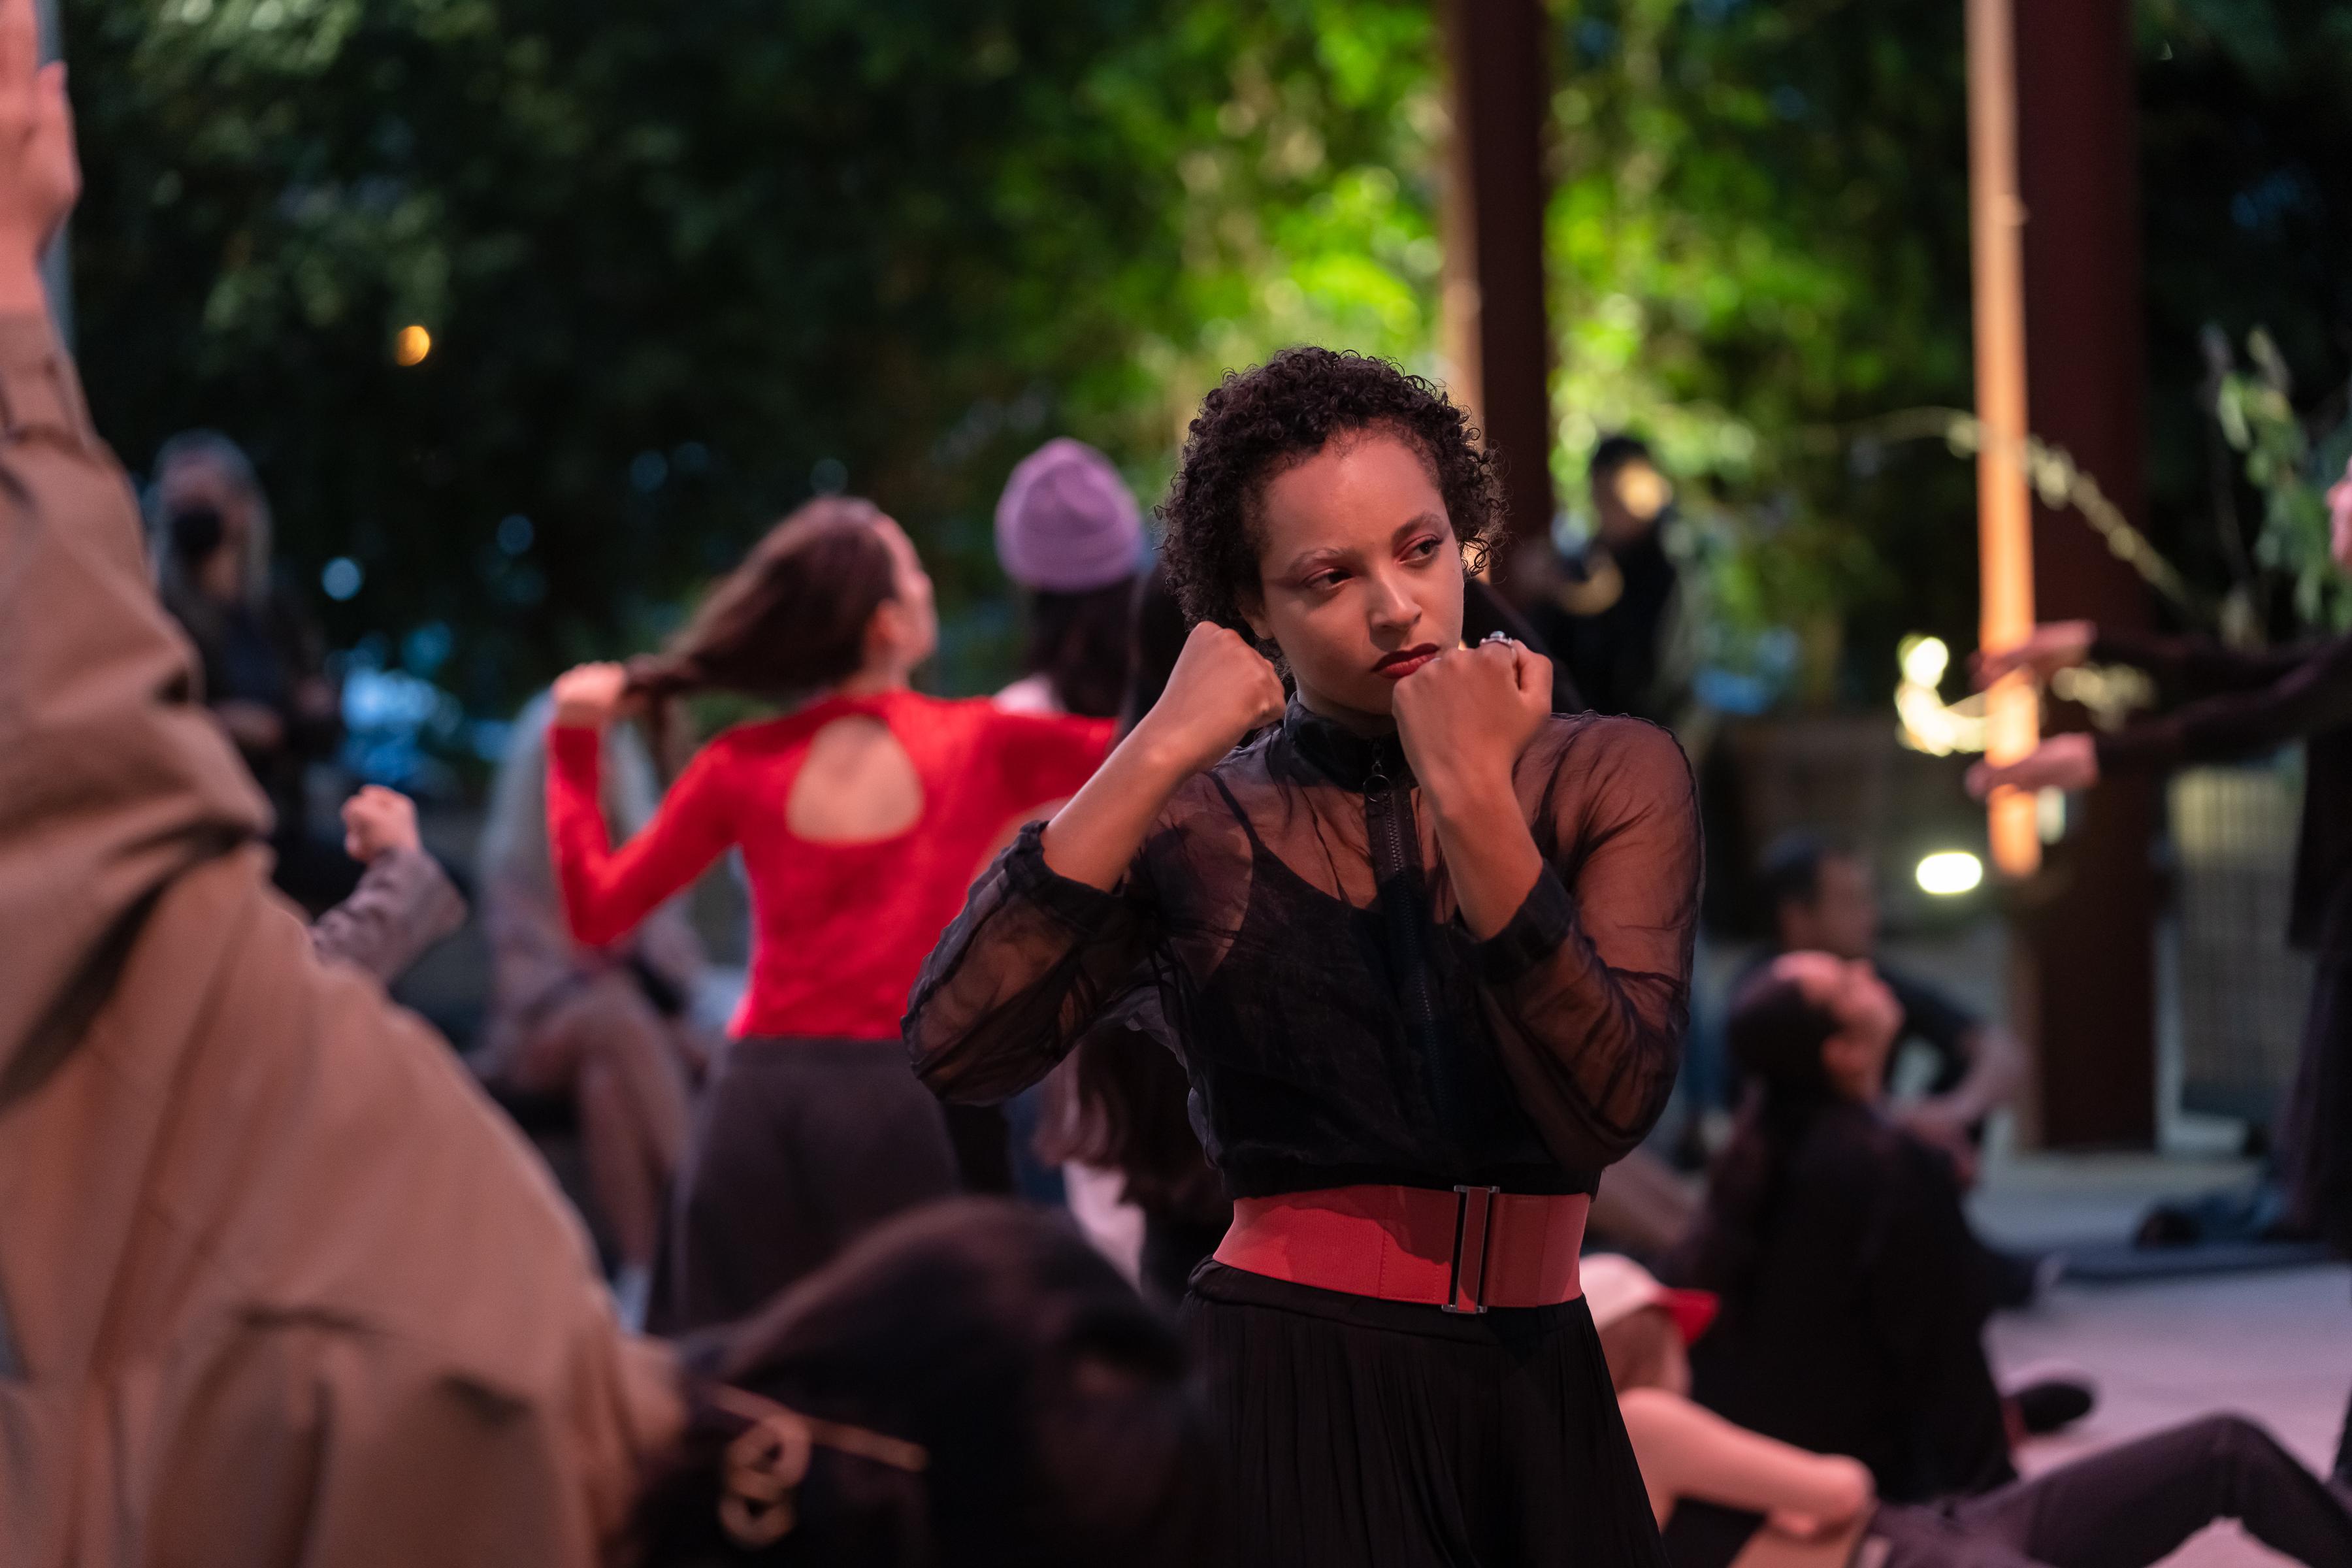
277 1285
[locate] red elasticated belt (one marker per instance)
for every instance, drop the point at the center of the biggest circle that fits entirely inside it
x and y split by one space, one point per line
1464 1250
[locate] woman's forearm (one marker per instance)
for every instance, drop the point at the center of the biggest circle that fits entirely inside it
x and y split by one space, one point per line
1094 836
1490 856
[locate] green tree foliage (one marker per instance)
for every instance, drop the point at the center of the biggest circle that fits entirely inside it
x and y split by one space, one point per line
682 264
678 260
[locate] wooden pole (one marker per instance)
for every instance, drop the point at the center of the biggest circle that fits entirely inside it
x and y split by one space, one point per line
2004 503
2089 926
1495 336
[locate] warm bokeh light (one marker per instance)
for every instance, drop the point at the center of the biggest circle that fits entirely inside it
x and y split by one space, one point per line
1948 873
412 346
1925 661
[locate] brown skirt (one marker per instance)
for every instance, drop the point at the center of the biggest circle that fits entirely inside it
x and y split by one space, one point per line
801 1147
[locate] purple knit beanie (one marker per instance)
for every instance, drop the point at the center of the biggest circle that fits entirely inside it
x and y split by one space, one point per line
1066 523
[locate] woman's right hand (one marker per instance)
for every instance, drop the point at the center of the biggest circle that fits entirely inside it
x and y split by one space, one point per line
2051 646
587 695
1221 690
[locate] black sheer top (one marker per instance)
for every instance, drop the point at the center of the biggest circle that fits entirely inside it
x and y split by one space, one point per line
1339 1023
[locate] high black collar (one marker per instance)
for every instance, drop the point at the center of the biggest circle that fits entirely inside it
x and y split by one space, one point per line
1342 756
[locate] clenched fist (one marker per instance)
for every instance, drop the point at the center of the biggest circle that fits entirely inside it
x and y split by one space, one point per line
377 821
587 695
1221 690
1466 715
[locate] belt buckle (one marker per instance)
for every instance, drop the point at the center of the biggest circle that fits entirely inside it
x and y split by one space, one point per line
1473 1211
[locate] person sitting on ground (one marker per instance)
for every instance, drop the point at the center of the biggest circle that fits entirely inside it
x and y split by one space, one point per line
1853 1297
1821 898
404 903
1725 1496
612 1029
281 1288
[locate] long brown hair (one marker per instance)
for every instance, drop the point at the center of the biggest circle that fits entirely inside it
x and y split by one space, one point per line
791 619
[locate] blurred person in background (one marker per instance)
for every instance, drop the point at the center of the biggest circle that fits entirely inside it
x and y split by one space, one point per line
2238 704
262 657
1823 897
861 814
1853 1297
280 1287
1725 1496
967 1385
1612 612
1070 537
611 1029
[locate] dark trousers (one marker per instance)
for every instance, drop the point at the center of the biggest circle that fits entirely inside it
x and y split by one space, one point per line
2317 1141
801 1147
2131 1505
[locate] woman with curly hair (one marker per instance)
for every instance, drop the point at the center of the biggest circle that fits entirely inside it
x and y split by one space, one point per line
1427 948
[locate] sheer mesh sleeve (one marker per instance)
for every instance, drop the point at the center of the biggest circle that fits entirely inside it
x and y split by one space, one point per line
2315 694
1033 960
1589 985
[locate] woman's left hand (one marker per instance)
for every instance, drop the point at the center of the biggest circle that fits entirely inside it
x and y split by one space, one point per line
2062 762
1466 715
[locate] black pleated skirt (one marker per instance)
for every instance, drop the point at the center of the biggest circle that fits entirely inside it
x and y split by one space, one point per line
800 1147
1369 1434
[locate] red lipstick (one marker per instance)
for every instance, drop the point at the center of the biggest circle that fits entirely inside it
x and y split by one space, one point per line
1405 660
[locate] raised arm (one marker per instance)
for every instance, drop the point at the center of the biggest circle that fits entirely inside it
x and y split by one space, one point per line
606 891
1054 930
1587 985
2315 693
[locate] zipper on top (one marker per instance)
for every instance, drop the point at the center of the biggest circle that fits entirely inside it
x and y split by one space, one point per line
1387 825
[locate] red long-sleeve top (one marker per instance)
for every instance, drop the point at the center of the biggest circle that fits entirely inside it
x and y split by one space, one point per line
839 930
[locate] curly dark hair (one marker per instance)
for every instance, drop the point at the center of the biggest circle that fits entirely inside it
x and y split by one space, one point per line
1259 422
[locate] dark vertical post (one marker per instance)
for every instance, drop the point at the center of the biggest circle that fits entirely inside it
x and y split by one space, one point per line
2090 938
1495 241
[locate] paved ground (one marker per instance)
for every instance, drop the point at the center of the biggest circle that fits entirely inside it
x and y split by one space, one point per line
2275 1346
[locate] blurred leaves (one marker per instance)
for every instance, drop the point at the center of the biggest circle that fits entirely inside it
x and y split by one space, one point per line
681 264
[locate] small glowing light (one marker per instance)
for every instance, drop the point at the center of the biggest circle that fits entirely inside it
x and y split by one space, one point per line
1925 661
1948 873
342 578
411 344
1641 490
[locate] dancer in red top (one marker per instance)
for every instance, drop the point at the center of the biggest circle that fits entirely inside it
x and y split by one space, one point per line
861 816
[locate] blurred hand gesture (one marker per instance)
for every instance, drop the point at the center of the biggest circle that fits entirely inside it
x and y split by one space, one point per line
2047 650
587 695
377 821
39 176
2062 762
